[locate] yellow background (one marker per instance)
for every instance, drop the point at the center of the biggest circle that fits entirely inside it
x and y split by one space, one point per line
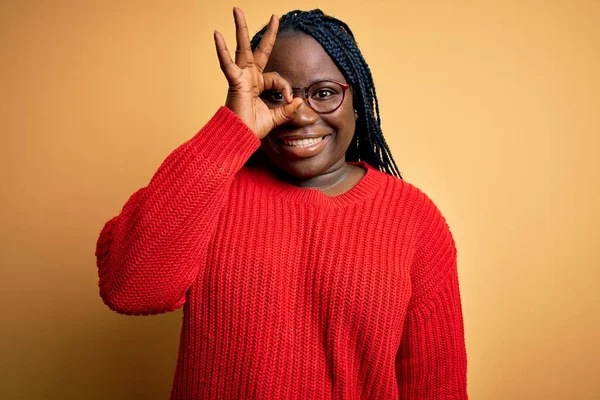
492 108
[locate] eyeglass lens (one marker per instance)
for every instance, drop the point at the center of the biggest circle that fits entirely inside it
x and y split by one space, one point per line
321 96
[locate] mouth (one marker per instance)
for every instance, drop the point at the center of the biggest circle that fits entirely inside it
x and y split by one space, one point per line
303 148
301 143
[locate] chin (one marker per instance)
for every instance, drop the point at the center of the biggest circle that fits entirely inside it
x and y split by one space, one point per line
301 169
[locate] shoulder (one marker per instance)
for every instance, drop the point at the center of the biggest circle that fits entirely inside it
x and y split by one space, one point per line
430 224
412 198
411 206
433 249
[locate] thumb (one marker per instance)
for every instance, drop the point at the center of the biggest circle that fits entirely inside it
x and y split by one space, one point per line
283 114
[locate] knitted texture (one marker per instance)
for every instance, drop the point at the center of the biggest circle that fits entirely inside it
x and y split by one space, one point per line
288 293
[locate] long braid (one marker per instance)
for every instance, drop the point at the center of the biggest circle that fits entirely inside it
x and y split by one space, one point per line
336 37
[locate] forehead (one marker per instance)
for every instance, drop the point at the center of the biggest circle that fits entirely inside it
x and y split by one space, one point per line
301 60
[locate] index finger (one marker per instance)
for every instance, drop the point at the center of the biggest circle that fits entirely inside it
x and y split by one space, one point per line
263 51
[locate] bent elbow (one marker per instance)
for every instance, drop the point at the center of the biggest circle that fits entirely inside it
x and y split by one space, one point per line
136 305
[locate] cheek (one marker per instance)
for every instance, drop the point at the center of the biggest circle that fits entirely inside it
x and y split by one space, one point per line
349 117
345 126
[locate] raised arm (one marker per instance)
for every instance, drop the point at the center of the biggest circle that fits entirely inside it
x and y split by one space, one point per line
431 363
149 255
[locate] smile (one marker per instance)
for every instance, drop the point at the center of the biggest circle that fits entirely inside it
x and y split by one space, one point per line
303 148
303 142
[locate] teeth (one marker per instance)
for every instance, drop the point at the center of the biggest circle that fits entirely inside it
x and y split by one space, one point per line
302 142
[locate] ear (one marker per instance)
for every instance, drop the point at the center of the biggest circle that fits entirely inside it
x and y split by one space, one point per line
355 115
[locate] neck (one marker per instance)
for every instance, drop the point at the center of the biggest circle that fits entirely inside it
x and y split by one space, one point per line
331 178
335 175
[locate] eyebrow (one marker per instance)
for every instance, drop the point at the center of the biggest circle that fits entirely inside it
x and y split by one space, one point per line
312 81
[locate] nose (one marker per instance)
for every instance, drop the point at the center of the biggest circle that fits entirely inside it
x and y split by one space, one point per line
304 115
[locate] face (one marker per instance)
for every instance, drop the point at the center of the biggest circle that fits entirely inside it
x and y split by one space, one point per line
301 61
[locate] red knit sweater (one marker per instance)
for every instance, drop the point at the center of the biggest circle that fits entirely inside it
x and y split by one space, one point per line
288 293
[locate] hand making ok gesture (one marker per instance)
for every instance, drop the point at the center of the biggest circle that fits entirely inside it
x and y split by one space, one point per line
247 80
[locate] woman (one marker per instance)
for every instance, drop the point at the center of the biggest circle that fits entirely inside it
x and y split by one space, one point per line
305 272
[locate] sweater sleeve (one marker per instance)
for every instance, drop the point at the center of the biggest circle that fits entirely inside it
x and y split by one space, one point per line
431 363
149 255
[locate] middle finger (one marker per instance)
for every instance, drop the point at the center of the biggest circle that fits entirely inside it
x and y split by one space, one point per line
243 52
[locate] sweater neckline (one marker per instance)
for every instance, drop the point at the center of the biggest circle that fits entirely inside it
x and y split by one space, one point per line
364 189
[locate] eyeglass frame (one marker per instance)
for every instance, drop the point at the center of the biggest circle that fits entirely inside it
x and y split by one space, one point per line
306 97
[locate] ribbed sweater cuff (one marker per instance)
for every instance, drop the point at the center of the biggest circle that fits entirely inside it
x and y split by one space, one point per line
226 140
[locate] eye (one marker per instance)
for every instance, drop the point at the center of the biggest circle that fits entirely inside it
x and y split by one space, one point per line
323 94
272 96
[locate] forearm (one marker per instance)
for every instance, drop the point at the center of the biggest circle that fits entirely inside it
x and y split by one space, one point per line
149 255
431 362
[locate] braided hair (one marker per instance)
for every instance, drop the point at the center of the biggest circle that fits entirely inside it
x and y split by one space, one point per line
338 41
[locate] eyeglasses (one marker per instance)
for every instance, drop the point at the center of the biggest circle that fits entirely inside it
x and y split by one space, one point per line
323 97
